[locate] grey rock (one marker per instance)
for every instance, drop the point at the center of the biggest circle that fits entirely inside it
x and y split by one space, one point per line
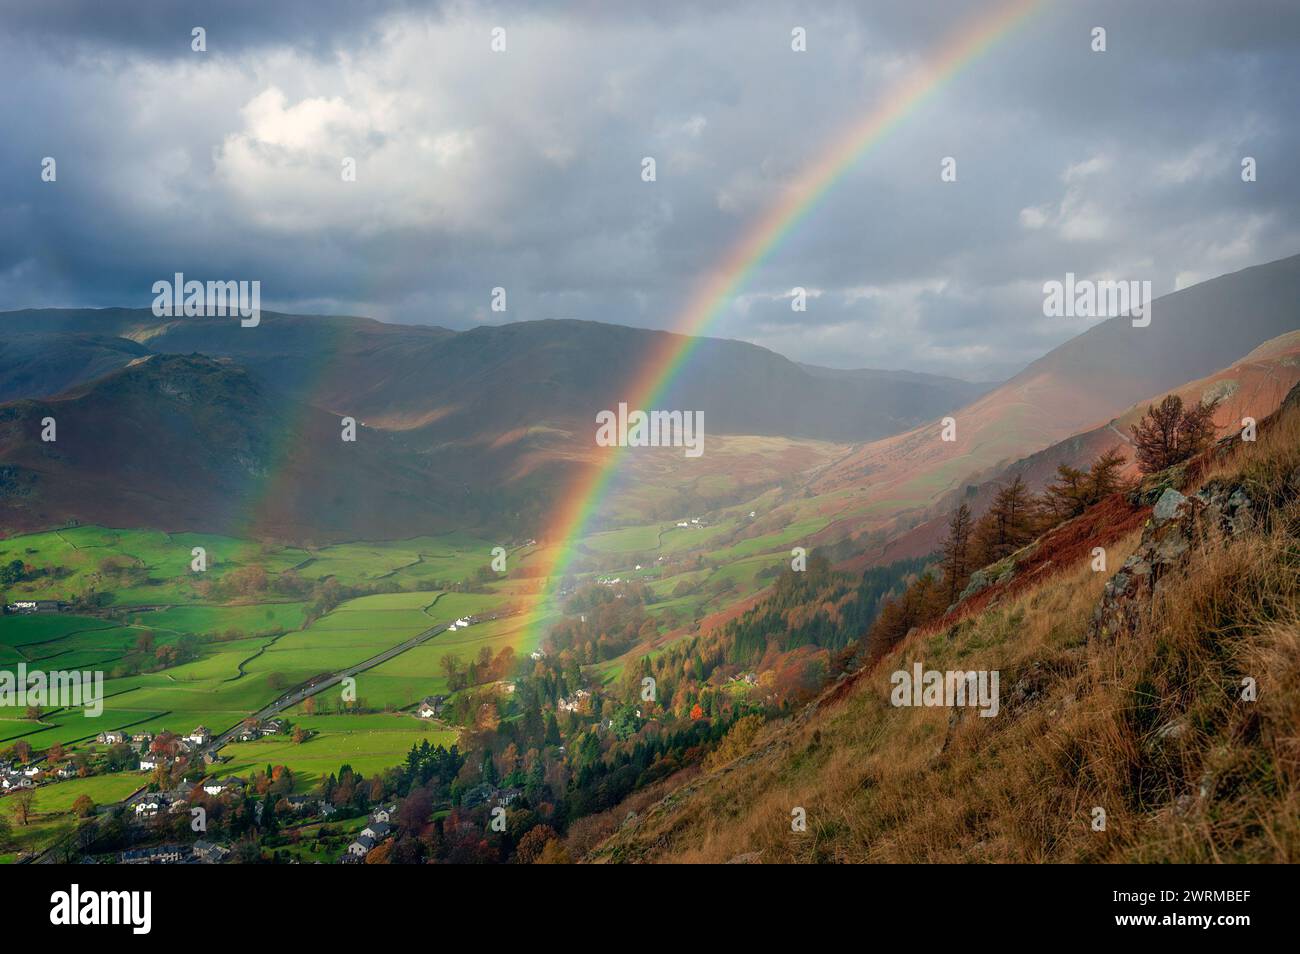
1167 506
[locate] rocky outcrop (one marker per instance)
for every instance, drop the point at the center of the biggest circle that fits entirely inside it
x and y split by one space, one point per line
1178 525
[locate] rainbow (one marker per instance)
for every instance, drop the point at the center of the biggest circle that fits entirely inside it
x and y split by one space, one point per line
715 292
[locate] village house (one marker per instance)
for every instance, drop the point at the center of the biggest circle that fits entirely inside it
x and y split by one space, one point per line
150 762
573 702
141 738
157 855
33 606
149 806
361 847
200 736
376 831
111 737
209 854
14 782
274 726
229 784
430 708
384 813
66 770
31 771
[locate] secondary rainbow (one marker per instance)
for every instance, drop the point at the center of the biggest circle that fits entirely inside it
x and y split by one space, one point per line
584 497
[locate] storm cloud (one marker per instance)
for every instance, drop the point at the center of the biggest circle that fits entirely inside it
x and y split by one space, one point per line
522 169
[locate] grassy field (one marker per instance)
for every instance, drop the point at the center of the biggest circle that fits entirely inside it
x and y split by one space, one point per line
51 810
369 743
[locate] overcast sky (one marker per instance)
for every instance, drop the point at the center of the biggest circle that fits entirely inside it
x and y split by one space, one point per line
522 169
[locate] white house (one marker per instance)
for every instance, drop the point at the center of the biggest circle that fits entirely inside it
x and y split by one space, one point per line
361 846
384 813
148 807
200 736
149 763
376 831
112 737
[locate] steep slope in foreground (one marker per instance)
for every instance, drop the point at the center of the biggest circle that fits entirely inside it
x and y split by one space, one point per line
1121 702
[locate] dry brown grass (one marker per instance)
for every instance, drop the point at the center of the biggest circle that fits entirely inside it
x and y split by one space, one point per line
1151 727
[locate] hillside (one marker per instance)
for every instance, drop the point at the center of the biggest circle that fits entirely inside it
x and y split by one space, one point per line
1120 690
1078 386
1253 387
189 443
526 378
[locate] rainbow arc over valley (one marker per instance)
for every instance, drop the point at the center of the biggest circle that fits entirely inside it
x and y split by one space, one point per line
718 287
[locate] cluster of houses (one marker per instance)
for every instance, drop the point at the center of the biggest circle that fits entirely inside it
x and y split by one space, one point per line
693 523
14 778
33 606
197 740
177 800
199 853
574 701
252 732
378 827
462 623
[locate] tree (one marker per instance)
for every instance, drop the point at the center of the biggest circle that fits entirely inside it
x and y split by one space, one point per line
1168 434
6 830
956 554
1008 525
299 735
84 806
534 843
1104 476
22 802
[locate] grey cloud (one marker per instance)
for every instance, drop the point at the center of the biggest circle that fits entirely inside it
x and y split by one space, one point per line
523 171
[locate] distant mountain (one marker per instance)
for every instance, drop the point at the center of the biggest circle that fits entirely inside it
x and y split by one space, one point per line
192 443
39 364
555 375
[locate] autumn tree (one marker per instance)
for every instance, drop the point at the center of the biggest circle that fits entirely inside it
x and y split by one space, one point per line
1075 490
534 843
1105 475
1007 526
84 806
1169 434
956 553
22 802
